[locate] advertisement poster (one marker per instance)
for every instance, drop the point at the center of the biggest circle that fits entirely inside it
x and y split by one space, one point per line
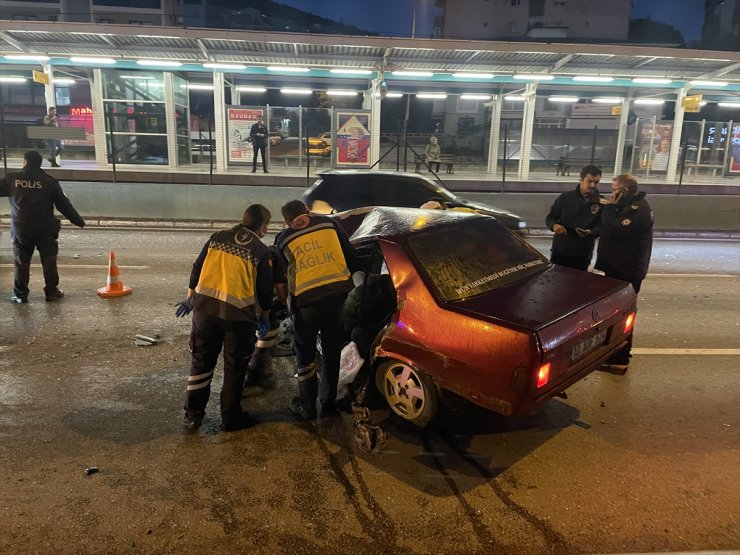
657 159
735 149
239 122
352 137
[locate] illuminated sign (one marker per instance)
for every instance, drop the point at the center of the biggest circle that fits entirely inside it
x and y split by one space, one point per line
81 111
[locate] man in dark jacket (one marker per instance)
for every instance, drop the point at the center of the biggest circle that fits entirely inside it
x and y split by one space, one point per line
575 217
320 261
33 195
258 133
626 244
230 294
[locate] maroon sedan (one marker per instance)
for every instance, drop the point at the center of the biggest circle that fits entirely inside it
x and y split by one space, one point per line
481 313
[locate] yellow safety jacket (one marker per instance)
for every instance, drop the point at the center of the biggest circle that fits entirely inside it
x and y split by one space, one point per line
229 271
316 261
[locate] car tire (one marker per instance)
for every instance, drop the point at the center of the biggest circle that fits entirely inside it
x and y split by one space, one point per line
410 393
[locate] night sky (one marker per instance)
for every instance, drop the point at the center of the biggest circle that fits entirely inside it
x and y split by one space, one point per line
393 17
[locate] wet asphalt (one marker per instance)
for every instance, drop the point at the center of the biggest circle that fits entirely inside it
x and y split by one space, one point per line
644 462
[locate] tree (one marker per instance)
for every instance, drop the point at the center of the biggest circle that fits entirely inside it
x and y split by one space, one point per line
646 30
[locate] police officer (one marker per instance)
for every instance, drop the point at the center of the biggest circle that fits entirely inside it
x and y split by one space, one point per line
625 245
258 133
319 261
230 294
575 217
33 195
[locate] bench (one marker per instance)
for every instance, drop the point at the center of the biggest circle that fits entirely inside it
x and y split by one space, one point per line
565 162
48 133
694 166
447 159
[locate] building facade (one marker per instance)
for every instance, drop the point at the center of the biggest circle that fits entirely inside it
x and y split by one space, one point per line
572 20
136 12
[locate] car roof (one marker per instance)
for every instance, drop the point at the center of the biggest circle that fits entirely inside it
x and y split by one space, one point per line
387 173
398 223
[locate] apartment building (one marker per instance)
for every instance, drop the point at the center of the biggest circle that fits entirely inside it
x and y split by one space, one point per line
566 20
133 12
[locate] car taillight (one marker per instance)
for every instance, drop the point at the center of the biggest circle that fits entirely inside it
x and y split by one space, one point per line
629 322
543 375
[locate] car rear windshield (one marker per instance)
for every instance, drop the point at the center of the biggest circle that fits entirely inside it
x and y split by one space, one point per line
474 258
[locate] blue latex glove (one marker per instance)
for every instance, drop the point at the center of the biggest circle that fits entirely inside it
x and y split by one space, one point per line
184 308
263 326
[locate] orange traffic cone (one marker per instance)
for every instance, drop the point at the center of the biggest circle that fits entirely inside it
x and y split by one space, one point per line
113 286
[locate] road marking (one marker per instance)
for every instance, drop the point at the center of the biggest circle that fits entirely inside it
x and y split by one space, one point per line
694 275
698 352
84 266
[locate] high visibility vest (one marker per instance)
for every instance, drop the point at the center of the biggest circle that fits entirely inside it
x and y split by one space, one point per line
229 272
315 258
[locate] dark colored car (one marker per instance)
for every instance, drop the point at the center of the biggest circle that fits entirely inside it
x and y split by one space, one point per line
339 190
480 312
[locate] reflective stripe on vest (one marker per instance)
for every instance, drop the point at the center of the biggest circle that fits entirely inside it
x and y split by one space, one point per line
315 258
228 277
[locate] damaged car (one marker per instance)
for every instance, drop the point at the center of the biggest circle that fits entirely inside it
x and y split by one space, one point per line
478 311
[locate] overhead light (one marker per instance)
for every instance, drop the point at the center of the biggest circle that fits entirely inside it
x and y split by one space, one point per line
138 77
391 95
651 81
162 63
709 83
475 96
650 101
350 71
252 89
157 37
515 98
729 104
290 69
607 100
431 95
27 57
64 81
533 77
296 91
86 60
200 86
211 65
703 103
413 73
13 79
336 92
592 79
473 75
563 99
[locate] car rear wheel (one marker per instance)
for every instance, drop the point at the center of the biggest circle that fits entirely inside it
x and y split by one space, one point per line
410 394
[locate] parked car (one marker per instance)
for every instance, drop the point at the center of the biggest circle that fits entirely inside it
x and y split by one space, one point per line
275 138
339 190
318 147
480 312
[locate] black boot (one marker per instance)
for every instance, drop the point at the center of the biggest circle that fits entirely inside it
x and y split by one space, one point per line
304 406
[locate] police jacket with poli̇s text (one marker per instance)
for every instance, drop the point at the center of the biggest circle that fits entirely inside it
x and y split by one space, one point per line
33 194
319 259
232 276
626 241
571 210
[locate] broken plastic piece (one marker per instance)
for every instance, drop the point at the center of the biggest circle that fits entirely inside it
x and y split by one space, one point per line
91 470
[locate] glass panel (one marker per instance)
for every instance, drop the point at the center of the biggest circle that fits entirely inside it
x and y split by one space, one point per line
282 124
133 85
474 258
140 149
182 120
180 89
183 150
135 117
317 135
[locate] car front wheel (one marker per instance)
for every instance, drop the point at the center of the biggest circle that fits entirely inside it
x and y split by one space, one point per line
411 394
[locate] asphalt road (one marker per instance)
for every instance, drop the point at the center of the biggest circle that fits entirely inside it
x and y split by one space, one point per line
645 462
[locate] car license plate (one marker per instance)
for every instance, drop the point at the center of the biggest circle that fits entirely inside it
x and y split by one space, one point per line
588 344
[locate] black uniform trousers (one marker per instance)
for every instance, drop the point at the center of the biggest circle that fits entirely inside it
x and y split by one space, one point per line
23 247
208 335
257 148
322 316
623 355
577 262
